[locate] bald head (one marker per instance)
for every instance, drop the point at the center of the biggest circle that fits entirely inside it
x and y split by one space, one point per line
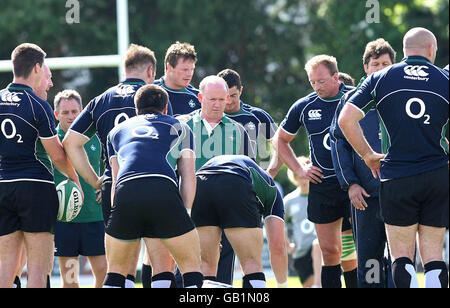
212 81
213 96
420 42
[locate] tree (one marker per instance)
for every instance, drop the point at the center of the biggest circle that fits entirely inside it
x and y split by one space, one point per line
267 41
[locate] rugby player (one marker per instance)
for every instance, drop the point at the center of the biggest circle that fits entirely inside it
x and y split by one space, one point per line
101 115
85 235
355 177
179 64
145 152
411 99
243 194
25 175
328 205
261 128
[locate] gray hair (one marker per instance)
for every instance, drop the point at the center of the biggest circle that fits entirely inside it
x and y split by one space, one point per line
67 94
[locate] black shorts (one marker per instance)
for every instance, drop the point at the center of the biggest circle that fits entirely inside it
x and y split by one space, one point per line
327 202
148 207
421 199
226 201
79 239
28 206
304 266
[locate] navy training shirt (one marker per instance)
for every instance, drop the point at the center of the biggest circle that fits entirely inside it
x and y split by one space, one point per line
316 115
24 120
106 111
149 145
184 101
256 122
411 99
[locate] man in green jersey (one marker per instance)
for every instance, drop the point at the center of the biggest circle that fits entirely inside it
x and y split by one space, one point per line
85 234
214 133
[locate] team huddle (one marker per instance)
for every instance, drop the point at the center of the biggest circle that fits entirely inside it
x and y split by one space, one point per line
182 173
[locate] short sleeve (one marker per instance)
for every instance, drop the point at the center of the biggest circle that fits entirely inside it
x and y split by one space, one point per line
84 123
45 121
364 98
292 123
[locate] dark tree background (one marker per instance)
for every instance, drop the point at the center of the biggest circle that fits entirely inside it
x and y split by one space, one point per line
266 41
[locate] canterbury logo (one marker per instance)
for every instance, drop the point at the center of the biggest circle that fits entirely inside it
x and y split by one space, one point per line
11 97
416 70
125 91
315 114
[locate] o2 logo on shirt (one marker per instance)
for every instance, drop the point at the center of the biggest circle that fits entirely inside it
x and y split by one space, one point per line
145 131
421 113
10 133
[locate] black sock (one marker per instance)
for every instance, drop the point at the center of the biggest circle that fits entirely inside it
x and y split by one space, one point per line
211 278
351 279
331 277
146 276
193 280
404 274
17 283
436 275
164 280
48 282
114 280
254 281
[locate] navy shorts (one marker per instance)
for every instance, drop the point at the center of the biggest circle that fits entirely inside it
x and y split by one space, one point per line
79 239
28 206
226 201
421 199
327 202
304 266
148 207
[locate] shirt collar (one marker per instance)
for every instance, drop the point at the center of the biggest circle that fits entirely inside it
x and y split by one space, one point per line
19 87
416 59
134 81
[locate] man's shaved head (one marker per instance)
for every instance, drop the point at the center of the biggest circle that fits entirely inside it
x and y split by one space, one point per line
420 42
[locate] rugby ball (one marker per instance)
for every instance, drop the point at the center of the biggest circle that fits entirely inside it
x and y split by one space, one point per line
70 200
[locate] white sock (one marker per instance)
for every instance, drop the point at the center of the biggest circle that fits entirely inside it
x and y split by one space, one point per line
129 284
414 280
283 285
161 284
432 280
258 284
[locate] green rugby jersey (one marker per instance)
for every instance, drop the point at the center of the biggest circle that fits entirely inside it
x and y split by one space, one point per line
91 210
227 138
